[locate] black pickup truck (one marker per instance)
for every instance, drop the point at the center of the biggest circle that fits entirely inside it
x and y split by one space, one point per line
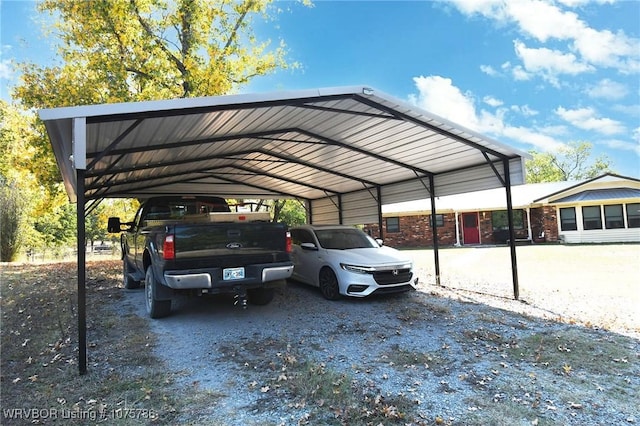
197 245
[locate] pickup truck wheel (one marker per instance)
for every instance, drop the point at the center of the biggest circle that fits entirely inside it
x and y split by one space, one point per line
155 308
260 296
329 284
129 283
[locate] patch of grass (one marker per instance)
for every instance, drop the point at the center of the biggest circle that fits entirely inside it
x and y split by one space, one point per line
418 310
316 392
402 358
335 398
484 335
125 383
575 349
565 372
504 413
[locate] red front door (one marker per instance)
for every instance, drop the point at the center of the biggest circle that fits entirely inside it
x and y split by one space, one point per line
470 229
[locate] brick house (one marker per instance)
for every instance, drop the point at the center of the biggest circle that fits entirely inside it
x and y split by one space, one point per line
603 209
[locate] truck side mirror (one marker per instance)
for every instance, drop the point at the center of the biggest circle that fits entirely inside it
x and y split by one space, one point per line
113 226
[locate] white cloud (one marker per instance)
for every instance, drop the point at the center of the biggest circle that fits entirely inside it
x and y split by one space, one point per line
578 3
491 101
607 89
524 110
557 130
607 49
542 20
6 70
439 96
533 137
631 110
585 118
489 70
520 74
545 21
623 145
549 63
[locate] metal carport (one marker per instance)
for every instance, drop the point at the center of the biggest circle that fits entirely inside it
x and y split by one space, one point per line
343 151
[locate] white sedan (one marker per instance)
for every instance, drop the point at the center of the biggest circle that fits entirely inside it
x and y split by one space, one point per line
343 260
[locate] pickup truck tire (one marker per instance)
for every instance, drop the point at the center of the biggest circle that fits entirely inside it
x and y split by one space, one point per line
129 283
155 308
329 284
260 296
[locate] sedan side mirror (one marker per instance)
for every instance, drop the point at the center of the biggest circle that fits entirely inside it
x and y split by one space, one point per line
380 242
308 246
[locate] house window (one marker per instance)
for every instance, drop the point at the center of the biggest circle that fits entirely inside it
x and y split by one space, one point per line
393 224
439 220
613 217
500 221
591 218
568 219
633 215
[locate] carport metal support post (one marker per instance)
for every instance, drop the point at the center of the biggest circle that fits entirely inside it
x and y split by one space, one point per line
434 233
512 235
82 313
380 220
79 160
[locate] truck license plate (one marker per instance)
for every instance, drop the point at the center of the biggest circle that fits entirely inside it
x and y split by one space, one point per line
232 274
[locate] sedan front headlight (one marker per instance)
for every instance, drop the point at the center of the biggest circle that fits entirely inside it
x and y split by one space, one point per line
358 269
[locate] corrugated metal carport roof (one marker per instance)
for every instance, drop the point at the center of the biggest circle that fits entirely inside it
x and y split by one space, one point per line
312 144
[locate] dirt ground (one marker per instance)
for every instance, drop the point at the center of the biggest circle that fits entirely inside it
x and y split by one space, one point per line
456 354
596 285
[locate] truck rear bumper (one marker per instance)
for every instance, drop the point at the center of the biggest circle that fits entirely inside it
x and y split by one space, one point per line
256 276
181 281
277 273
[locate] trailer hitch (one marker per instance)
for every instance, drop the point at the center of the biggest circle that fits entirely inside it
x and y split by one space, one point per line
240 298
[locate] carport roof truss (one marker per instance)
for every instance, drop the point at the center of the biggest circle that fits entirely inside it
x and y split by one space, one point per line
311 144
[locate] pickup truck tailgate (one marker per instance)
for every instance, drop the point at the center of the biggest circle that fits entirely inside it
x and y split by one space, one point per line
230 244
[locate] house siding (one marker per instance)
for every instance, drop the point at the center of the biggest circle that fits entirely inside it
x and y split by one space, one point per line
416 231
601 236
621 235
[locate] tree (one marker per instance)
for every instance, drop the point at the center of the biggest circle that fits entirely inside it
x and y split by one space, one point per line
133 50
10 218
96 229
569 163
17 182
291 212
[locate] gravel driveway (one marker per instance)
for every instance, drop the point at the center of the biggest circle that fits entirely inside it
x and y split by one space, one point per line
446 353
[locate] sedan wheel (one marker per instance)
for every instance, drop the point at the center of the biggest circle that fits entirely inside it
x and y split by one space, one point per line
329 284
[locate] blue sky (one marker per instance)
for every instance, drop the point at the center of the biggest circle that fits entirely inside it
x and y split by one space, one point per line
535 74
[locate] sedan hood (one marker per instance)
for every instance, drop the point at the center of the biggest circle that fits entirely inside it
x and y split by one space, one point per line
370 256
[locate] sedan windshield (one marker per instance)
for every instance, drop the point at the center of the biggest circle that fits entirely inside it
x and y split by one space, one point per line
343 239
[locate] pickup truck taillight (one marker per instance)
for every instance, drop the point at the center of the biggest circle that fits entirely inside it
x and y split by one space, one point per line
288 242
169 248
